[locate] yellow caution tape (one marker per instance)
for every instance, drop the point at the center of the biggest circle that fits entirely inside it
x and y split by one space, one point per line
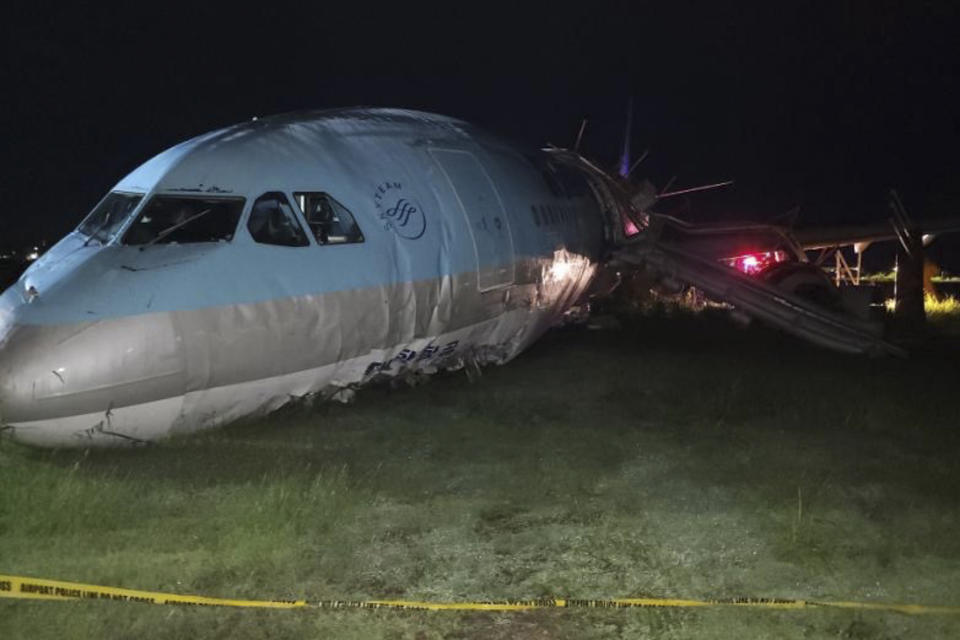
42 589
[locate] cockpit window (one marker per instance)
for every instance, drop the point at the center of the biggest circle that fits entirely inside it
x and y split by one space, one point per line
329 220
272 221
108 215
182 220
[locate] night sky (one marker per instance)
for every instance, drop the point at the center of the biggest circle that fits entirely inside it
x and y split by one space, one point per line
822 105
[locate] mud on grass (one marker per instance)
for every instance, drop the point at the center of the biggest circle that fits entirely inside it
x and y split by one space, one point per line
676 457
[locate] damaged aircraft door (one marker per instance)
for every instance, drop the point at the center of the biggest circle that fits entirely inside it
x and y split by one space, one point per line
485 216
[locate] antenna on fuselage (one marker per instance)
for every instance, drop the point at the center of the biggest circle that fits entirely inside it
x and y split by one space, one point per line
667 186
643 156
625 158
669 194
583 126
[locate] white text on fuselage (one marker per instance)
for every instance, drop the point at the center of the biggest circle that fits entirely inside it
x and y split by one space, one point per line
407 356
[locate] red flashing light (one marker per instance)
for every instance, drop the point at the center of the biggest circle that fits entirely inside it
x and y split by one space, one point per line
754 263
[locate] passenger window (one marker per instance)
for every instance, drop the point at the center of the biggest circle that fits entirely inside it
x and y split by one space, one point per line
272 221
329 220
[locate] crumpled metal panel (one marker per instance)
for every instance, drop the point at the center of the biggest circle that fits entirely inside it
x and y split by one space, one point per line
228 362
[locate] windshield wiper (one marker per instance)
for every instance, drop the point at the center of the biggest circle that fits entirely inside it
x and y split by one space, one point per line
99 228
164 233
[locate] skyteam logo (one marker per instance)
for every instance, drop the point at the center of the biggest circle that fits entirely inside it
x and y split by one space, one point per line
400 211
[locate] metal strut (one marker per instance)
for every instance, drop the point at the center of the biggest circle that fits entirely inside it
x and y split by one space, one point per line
762 300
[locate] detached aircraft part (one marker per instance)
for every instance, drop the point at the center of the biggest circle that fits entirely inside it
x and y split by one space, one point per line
795 314
679 251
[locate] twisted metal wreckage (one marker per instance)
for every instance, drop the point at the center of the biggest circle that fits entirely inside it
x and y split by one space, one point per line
311 253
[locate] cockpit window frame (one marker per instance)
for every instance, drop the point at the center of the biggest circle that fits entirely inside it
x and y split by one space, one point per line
120 229
124 234
298 218
358 239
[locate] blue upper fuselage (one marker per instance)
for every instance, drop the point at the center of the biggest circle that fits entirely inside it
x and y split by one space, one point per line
360 157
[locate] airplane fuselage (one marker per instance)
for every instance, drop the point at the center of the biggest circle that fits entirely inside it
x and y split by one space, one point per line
361 243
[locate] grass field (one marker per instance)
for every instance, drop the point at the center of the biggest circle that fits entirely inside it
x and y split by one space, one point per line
679 456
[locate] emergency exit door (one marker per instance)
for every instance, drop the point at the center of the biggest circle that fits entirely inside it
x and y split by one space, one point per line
480 203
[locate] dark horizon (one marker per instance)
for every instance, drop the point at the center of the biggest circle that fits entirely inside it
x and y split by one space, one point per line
822 108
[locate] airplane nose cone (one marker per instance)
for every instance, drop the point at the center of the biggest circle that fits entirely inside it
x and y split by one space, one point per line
8 305
60 381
